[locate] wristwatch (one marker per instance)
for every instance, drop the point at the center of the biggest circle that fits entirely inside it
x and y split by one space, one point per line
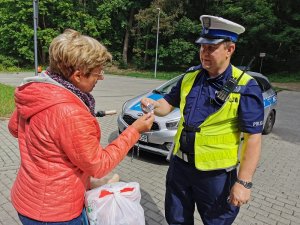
246 184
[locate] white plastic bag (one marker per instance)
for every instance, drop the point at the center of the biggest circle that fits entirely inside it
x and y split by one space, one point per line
115 204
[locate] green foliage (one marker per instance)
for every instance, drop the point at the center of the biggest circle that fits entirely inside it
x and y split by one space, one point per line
284 77
16 34
272 27
176 36
122 65
179 52
8 64
6 61
159 75
7 103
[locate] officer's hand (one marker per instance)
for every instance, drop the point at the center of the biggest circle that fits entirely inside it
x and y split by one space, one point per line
239 195
148 105
144 123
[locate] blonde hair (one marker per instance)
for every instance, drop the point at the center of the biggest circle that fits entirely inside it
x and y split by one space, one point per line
71 51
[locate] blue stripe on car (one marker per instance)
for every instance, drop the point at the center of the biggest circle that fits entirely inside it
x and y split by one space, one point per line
271 100
137 106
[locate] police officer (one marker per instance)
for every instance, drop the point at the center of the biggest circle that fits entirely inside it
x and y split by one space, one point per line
218 104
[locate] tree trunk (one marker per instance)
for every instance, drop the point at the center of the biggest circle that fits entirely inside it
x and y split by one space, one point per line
146 55
126 38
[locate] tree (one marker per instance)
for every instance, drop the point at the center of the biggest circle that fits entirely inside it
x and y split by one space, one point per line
16 30
128 29
175 48
287 37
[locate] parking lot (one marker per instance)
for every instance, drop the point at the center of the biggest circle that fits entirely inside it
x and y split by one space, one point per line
276 190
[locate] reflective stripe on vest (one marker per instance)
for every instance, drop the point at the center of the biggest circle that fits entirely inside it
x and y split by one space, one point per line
217 143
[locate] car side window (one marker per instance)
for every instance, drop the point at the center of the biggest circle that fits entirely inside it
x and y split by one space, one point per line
263 84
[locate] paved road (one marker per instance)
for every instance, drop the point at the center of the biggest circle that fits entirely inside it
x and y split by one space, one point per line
276 191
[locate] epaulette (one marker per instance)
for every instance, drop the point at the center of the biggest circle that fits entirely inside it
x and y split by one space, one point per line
194 68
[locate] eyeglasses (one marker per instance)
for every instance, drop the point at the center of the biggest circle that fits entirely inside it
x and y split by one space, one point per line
101 74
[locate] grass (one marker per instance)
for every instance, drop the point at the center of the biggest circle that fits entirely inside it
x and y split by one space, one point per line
161 75
284 77
7 103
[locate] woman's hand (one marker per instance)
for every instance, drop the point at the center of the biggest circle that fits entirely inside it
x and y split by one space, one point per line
144 123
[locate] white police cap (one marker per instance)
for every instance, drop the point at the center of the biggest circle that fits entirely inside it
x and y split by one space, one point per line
217 29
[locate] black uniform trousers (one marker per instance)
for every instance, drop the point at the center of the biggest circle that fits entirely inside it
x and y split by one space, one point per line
209 190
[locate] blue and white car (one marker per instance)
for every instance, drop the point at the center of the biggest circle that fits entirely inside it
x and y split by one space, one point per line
159 139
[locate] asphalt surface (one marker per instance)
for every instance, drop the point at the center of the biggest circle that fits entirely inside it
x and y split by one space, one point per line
276 191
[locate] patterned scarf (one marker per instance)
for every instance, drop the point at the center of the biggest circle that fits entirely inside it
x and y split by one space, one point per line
87 98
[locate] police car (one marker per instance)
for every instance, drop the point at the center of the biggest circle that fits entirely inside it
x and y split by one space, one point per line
159 139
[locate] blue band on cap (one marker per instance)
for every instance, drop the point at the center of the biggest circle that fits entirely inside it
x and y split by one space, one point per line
218 34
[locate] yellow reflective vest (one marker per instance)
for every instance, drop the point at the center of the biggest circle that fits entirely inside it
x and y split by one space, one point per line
217 143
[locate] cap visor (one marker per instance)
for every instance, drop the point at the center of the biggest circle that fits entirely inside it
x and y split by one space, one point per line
206 41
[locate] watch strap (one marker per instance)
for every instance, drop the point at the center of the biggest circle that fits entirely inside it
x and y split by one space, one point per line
246 184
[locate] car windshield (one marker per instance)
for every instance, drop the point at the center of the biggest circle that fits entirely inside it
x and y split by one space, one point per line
166 88
262 81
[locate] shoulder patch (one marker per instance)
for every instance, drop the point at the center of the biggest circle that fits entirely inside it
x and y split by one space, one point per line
194 68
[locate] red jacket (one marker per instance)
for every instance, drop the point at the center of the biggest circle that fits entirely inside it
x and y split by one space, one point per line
59 148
